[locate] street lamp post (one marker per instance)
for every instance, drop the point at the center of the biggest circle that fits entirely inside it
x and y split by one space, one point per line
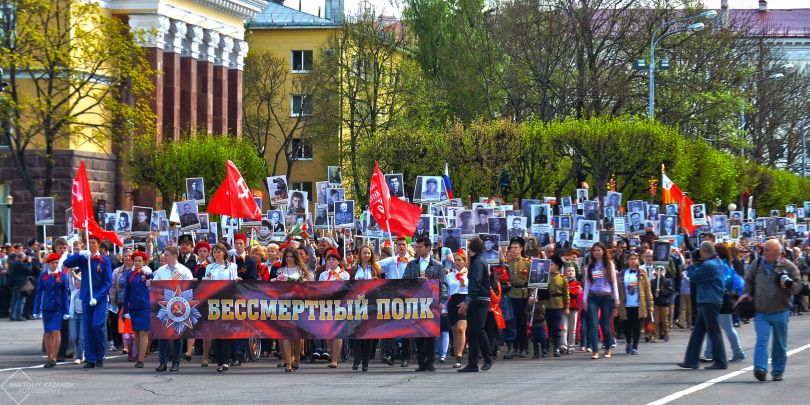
656 38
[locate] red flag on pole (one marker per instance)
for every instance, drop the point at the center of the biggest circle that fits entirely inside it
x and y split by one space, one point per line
686 214
233 198
392 214
82 203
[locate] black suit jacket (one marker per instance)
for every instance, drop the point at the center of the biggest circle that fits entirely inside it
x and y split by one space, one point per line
190 262
246 268
434 270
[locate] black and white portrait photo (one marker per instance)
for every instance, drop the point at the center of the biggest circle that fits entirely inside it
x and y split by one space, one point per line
671 209
466 222
344 214
582 195
748 230
591 210
606 237
334 175
482 216
609 214
698 214
321 218
774 213
431 188
538 272
736 217
195 189
668 225
275 221
587 231
566 206
720 224
322 192
497 226
424 228
334 194
451 239
636 206
661 251
43 212
517 226
123 220
565 222
613 199
69 228
562 238
203 222
636 224
771 227
188 215
541 214
298 203
490 254
396 187
277 189
652 212
141 220
109 221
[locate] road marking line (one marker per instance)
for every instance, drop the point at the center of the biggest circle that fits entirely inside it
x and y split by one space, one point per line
58 364
669 398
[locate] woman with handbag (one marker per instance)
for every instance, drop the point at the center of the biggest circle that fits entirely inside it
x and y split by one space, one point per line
735 286
21 285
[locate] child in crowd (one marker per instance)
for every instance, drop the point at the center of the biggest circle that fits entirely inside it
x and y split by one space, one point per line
569 333
662 289
538 329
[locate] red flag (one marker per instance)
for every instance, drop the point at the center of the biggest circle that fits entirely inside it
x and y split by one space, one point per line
670 192
82 203
233 198
686 214
392 214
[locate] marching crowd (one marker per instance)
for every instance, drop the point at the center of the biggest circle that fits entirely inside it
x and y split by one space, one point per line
596 298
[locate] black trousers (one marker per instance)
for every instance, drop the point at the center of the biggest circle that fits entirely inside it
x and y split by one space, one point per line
64 330
632 327
163 347
389 347
477 337
362 350
222 350
554 319
424 348
521 327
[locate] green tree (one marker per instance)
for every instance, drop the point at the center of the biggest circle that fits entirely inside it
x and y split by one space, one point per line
166 168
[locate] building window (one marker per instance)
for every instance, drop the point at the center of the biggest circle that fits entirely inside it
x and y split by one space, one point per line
301 150
8 22
303 186
301 105
301 61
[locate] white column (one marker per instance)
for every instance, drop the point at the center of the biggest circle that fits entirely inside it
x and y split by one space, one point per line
149 29
192 42
209 46
175 36
240 50
224 53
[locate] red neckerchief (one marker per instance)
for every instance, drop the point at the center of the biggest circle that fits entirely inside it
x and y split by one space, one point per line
58 276
460 276
403 259
335 273
134 273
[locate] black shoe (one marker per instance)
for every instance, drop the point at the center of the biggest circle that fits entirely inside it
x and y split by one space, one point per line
684 365
777 377
486 366
760 374
161 368
355 366
365 367
175 367
326 356
468 369
139 364
429 367
100 363
404 363
49 364
422 367
220 369
89 365
388 360
237 363
715 366
556 352
186 357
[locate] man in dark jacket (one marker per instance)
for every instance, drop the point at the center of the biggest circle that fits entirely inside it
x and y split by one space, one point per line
708 276
476 306
19 271
423 266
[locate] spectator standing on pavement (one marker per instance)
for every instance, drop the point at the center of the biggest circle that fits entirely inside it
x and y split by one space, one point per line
18 273
770 281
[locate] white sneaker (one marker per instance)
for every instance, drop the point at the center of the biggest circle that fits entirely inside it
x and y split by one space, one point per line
77 361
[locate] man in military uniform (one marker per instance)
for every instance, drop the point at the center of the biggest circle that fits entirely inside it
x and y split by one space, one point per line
94 301
194 192
44 211
517 340
188 218
186 257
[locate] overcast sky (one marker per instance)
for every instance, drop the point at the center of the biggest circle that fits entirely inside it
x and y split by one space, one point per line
393 7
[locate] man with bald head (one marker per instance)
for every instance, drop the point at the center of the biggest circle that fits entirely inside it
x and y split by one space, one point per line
708 274
771 280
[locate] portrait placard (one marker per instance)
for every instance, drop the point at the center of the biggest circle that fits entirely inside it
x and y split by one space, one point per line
195 189
277 189
539 272
43 211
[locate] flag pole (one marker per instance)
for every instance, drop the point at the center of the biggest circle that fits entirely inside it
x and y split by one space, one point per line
89 268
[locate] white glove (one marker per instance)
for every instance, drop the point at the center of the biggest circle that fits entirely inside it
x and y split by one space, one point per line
85 253
93 302
126 316
66 317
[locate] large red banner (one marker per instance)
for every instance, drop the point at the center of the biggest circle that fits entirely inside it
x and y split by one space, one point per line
366 309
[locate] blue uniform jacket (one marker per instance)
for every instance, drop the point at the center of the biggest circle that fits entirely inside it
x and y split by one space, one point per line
709 277
102 276
52 296
136 293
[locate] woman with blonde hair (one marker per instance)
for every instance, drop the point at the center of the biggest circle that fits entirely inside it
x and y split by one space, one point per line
457 291
293 271
366 269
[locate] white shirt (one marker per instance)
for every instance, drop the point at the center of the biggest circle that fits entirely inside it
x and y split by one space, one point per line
393 267
329 276
216 271
364 274
453 285
423 264
178 272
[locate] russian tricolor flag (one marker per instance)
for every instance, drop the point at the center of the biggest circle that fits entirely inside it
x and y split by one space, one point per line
447 184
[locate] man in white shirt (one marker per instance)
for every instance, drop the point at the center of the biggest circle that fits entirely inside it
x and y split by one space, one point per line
172 271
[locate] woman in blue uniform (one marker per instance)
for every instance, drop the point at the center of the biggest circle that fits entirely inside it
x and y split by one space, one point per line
52 301
136 303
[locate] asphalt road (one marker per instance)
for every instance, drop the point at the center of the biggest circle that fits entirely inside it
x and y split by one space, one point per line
648 377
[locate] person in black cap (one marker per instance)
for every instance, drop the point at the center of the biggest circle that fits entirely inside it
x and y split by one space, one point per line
186 258
476 306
